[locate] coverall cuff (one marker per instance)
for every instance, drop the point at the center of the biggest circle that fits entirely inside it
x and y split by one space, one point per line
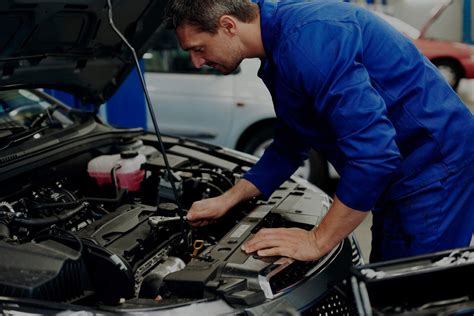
262 182
354 198
360 189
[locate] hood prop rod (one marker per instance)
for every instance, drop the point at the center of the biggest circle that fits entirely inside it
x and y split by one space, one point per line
181 212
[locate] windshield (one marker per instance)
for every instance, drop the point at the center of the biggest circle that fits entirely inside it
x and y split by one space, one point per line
26 115
21 108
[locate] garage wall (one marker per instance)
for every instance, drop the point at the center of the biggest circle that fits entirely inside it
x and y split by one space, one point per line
471 21
416 12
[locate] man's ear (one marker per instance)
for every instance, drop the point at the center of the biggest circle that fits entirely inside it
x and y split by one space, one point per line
228 24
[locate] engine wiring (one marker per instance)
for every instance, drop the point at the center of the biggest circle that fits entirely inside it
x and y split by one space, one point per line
181 211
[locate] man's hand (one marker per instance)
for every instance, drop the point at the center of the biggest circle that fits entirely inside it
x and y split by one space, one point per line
305 245
294 243
203 212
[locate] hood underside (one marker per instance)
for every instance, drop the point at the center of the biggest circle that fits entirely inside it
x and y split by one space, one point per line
69 45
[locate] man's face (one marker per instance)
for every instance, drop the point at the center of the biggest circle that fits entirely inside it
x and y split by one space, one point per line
219 51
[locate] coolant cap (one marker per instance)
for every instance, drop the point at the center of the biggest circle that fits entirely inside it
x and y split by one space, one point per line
129 154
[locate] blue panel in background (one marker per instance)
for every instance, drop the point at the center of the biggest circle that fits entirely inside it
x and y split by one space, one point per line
127 107
69 100
468 37
64 97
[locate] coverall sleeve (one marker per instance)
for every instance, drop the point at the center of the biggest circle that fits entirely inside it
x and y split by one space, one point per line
327 66
279 161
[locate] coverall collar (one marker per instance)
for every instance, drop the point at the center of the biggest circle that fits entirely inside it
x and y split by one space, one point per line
267 11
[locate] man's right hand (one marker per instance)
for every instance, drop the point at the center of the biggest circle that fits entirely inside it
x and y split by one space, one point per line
203 212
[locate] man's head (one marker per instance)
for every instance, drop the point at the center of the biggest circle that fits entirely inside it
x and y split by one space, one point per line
217 33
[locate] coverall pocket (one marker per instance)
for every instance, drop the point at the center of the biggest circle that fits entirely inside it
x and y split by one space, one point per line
411 224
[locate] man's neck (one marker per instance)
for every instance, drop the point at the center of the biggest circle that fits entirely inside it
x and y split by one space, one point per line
252 39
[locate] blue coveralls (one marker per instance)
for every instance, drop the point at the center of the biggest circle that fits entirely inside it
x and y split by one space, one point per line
347 84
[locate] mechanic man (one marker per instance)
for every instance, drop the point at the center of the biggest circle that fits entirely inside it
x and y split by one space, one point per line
348 85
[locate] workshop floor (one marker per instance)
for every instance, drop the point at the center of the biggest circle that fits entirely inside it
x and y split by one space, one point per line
466 91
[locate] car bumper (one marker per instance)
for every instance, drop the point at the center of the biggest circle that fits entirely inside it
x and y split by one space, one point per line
468 65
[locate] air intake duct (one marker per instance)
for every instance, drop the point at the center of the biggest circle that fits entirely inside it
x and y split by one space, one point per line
47 271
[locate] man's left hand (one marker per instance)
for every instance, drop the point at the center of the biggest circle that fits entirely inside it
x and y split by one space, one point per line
294 243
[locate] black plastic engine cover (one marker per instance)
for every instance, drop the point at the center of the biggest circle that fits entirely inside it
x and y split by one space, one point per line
47 270
121 231
249 280
121 247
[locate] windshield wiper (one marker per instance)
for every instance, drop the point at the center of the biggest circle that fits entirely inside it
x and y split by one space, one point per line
9 127
47 114
23 136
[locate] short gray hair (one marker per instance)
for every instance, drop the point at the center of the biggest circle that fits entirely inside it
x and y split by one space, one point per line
205 14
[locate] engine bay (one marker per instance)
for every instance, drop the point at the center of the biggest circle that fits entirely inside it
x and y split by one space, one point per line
68 235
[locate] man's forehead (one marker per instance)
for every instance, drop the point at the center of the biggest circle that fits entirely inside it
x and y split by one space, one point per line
190 36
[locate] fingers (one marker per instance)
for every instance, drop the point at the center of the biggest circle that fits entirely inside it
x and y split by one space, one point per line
287 242
196 216
273 252
199 218
199 223
266 238
198 212
204 212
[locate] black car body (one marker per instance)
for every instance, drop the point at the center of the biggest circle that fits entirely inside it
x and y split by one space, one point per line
71 243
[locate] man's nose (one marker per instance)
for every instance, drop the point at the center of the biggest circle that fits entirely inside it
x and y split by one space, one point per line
197 61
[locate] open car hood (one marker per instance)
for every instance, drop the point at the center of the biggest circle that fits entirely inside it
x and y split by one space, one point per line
436 12
69 45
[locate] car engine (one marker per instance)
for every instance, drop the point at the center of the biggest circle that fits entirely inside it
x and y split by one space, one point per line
67 235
